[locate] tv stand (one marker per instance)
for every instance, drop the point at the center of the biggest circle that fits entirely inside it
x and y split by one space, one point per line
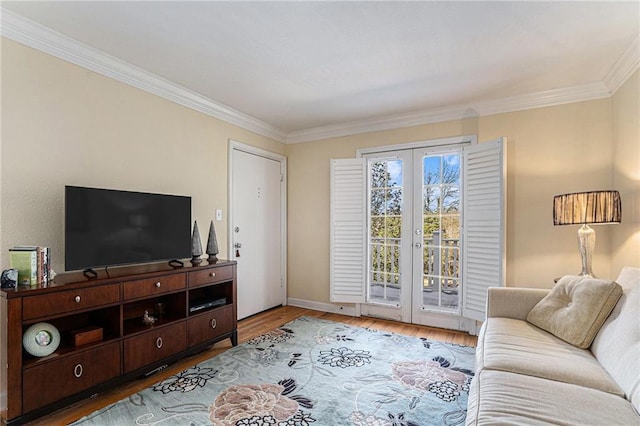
104 341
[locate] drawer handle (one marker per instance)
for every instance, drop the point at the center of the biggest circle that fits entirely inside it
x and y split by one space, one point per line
213 274
78 370
158 284
213 323
77 299
159 342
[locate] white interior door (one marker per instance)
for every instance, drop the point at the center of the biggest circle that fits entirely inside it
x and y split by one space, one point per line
257 229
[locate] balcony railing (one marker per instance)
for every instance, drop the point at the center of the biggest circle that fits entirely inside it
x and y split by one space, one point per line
442 264
441 267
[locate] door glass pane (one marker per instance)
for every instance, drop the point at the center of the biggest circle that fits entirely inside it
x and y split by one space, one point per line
441 222
385 229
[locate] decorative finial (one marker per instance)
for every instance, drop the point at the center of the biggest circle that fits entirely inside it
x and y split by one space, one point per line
196 245
212 245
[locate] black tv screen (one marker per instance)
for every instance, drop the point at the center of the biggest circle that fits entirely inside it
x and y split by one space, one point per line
105 227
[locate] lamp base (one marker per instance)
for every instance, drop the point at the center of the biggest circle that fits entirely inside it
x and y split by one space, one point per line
586 242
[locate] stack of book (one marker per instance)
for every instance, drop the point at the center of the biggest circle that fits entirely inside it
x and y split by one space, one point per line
33 264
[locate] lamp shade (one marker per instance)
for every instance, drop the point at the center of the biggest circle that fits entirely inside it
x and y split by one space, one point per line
587 207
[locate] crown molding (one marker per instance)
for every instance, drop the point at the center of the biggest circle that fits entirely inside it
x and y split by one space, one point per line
628 63
417 118
29 33
546 98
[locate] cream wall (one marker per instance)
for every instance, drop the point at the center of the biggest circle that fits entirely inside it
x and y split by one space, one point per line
64 125
551 151
625 247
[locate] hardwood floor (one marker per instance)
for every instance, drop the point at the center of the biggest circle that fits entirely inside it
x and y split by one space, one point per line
247 329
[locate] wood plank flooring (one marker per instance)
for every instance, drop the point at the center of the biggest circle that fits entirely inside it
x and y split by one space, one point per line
247 329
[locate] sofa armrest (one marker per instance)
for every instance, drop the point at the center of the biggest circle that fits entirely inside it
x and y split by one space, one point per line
513 302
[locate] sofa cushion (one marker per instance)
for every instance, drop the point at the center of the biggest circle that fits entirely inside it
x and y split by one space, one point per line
516 346
501 398
575 309
617 345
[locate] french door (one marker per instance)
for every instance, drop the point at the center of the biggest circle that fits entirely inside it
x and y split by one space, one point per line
434 233
414 271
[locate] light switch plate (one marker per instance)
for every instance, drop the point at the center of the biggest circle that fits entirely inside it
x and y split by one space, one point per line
218 214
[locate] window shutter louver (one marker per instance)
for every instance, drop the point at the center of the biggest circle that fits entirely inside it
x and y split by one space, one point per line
348 230
483 229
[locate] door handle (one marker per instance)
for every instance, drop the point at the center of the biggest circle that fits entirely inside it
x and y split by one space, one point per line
418 245
238 246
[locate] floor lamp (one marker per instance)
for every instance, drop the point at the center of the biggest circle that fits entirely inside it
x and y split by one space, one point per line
584 208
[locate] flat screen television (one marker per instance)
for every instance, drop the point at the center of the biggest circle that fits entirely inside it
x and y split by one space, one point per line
105 227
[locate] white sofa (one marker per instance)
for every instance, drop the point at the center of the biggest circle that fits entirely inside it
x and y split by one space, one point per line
527 376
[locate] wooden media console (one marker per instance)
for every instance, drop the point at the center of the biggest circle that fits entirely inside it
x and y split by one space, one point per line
103 339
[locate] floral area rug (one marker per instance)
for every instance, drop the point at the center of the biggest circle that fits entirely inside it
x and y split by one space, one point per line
310 372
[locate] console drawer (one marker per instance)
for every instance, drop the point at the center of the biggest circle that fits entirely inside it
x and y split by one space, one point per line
51 381
69 301
154 345
210 324
153 286
210 276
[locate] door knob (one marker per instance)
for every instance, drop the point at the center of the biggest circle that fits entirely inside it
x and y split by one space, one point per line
238 245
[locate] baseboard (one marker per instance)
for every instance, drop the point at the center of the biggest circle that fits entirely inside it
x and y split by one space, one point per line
324 307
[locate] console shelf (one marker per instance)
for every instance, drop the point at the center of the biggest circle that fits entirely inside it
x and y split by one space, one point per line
103 339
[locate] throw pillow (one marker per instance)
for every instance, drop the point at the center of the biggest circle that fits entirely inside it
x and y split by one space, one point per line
575 309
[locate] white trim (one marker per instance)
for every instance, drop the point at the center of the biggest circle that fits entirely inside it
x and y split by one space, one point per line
454 140
434 115
324 307
546 98
250 149
29 33
628 63
585 92
239 146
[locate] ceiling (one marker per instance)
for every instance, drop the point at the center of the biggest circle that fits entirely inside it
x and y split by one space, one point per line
307 69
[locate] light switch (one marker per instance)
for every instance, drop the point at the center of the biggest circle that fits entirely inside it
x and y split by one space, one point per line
218 214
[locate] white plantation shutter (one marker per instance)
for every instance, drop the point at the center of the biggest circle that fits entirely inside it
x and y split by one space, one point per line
348 230
484 223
